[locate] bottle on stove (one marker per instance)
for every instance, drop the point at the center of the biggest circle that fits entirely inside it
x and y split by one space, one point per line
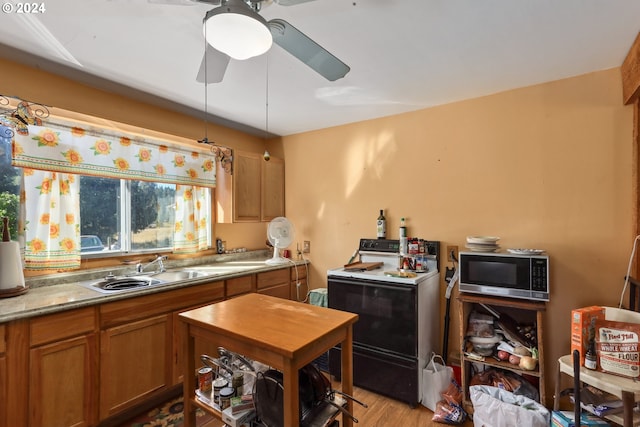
403 237
382 225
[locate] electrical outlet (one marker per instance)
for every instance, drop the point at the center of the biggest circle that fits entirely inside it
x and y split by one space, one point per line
306 247
452 250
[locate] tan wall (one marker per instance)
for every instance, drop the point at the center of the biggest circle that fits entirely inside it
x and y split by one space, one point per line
38 86
548 166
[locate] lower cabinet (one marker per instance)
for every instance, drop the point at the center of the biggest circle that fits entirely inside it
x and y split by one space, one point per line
139 354
134 362
81 366
62 369
3 376
299 283
275 283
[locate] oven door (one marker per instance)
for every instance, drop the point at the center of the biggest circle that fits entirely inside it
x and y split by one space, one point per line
387 311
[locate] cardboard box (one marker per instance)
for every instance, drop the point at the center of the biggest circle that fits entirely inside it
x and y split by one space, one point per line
239 419
581 321
567 419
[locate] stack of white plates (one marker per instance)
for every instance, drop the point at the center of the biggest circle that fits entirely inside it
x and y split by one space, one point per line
482 243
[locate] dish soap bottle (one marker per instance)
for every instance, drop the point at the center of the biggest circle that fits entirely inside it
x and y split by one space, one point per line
403 237
382 225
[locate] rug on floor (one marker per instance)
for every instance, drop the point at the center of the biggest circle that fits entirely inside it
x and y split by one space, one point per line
170 414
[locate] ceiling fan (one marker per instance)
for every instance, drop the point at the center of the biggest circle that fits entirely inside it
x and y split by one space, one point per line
285 35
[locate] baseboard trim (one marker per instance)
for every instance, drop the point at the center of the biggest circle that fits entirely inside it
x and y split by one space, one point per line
118 419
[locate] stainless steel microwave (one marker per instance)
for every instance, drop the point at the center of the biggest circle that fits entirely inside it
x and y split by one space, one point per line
505 275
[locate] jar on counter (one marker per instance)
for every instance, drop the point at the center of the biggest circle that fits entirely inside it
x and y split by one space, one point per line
237 382
225 397
218 384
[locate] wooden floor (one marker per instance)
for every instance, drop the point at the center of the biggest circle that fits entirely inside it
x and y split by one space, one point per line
384 412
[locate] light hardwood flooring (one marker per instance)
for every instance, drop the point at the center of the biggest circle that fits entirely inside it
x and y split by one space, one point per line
384 412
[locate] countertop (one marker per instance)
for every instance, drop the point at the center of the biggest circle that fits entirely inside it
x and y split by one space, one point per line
63 291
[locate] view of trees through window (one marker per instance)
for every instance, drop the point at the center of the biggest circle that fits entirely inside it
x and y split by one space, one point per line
9 186
104 202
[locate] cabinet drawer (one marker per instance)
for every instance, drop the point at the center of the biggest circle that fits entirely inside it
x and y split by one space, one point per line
280 291
301 274
144 306
3 342
271 278
240 285
56 327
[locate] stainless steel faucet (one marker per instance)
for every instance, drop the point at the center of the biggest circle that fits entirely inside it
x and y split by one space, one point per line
140 268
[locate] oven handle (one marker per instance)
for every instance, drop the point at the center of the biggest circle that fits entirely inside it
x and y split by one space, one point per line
372 284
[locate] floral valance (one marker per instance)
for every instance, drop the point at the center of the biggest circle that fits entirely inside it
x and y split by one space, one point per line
79 151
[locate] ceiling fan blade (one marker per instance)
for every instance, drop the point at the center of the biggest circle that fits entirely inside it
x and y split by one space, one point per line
291 2
216 65
306 50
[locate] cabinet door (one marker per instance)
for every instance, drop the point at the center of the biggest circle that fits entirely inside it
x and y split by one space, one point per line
3 390
3 377
61 383
272 189
299 293
135 362
246 187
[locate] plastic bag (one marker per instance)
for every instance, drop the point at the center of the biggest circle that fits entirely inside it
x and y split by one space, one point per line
494 407
436 378
448 413
449 410
506 380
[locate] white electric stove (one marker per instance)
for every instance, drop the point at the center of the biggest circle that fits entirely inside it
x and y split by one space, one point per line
398 319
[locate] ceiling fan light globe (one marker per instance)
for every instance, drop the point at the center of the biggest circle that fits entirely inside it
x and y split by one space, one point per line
237 31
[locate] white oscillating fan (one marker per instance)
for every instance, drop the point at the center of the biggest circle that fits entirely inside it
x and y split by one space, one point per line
280 233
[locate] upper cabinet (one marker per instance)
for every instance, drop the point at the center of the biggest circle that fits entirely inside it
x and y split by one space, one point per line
272 201
255 191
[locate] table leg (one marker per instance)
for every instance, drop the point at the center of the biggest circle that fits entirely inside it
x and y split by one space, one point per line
189 386
291 399
628 404
556 394
347 373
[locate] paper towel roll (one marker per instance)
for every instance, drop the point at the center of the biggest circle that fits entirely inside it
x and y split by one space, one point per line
11 274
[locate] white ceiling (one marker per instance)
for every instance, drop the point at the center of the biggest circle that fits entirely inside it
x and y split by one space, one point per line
404 54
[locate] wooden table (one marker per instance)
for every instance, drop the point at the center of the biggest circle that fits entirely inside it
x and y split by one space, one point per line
283 334
627 389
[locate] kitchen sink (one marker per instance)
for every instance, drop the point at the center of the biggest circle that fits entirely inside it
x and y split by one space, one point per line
174 276
115 284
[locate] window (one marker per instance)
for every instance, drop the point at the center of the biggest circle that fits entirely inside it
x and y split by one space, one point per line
9 184
106 203
85 190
